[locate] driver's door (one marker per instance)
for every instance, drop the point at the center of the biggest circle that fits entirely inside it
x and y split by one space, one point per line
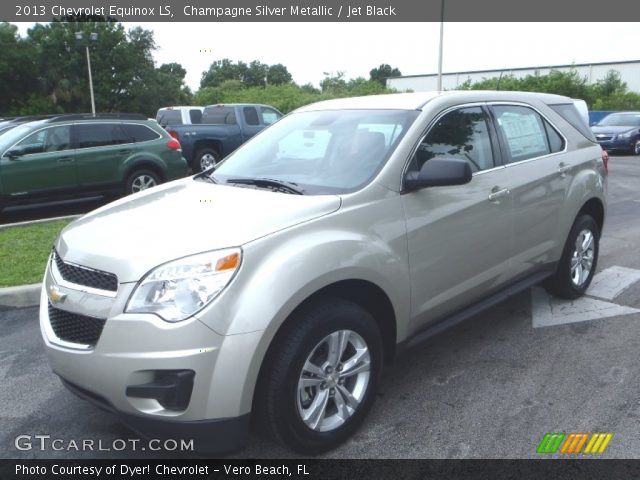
45 164
459 237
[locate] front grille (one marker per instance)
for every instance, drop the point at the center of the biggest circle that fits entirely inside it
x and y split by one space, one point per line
75 328
86 276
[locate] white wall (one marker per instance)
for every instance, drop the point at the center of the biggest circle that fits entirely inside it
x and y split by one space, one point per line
630 73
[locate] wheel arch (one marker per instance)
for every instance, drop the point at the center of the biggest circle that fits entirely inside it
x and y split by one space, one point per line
144 164
364 293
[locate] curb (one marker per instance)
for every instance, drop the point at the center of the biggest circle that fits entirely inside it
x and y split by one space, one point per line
22 296
42 220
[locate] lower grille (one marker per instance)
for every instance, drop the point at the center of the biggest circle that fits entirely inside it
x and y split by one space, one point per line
75 328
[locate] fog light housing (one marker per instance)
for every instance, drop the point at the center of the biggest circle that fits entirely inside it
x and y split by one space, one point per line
170 388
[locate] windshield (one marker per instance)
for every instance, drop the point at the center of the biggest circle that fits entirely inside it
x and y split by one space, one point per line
320 152
621 120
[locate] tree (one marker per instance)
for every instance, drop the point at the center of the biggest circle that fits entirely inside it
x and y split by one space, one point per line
221 70
278 75
46 72
381 73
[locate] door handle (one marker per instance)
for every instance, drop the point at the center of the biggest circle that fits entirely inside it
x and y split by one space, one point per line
563 169
65 159
496 194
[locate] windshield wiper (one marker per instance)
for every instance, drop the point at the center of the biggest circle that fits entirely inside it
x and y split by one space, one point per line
280 185
205 176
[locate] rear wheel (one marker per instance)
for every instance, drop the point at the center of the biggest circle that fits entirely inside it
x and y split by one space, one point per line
204 159
636 147
579 260
140 180
321 381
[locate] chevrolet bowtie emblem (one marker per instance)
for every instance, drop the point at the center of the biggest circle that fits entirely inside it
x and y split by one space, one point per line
55 295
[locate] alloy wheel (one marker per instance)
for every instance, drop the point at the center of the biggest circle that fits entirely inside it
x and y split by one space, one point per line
333 381
582 258
142 182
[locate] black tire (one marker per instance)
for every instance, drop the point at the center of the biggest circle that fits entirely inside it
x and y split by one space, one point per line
204 156
277 401
562 284
137 177
636 147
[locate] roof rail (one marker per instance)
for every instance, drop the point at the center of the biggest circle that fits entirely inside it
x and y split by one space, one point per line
97 116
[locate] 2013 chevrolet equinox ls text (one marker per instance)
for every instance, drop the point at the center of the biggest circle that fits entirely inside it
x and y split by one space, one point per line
277 285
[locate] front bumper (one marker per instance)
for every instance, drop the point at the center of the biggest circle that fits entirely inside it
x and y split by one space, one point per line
133 349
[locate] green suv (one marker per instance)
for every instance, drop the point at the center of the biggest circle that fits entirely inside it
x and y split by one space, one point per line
72 156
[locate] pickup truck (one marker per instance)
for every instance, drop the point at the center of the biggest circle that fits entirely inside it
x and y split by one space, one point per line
223 129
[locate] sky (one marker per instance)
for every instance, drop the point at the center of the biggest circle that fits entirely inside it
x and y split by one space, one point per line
309 50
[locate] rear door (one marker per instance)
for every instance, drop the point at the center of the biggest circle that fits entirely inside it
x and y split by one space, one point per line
459 237
539 173
46 166
102 147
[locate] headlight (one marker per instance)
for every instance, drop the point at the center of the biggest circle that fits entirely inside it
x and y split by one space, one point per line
177 290
625 134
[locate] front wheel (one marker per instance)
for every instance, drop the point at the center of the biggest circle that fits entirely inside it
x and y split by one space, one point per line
322 378
578 262
636 147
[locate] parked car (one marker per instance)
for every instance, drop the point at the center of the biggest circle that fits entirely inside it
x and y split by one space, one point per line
71 156
169 116
619 132
223 129
278 284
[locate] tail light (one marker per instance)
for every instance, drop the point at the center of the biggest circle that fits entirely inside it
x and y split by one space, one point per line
174 134
605 160
174 145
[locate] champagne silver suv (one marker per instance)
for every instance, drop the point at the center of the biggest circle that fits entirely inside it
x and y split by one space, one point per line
274 287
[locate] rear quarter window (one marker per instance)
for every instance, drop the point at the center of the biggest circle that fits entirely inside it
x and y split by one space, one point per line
570 113
139 133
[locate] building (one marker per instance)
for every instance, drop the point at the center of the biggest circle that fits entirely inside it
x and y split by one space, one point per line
629 71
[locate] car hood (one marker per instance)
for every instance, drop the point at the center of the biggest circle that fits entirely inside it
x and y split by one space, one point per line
611 130
131 236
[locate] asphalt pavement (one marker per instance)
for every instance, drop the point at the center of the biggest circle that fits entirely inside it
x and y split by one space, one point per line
490 388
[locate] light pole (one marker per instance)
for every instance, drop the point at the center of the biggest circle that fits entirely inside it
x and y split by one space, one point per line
441 41
93 37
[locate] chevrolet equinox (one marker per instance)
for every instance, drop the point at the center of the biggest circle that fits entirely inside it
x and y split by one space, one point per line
275 286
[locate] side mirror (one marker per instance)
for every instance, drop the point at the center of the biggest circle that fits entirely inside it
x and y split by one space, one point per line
439 172
14 153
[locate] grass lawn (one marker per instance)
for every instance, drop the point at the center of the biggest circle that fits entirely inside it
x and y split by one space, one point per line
24 251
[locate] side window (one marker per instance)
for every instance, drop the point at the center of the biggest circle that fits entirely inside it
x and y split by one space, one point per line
524 132
169 117
269 115
139 133
54 139
34 143
219 115
195 115
463 134
99 135
251 116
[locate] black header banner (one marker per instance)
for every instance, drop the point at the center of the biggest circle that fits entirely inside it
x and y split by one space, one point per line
324 11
